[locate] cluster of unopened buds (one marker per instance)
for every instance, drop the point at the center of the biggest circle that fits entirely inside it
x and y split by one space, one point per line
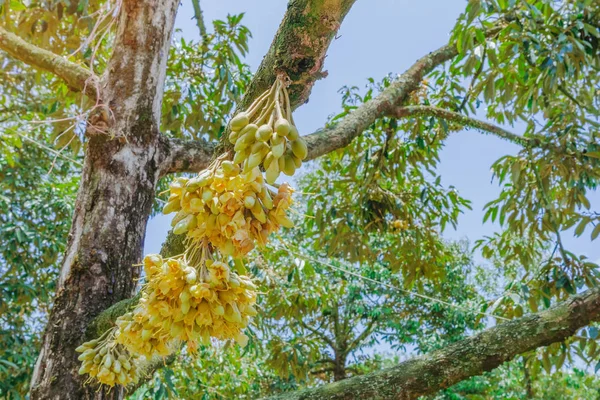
224 211
265 135
400 224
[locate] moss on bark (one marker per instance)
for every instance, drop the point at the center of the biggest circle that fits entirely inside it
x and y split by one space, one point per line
299 47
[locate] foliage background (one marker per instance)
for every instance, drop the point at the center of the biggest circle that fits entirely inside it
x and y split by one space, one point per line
38 189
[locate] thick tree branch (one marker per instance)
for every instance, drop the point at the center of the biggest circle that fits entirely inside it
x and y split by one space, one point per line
355 123
77 77
461 119
485 351
485 127
185 155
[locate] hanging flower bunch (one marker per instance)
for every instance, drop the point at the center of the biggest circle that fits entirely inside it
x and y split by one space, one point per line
266 135
107 361
224 211
187 301
230 209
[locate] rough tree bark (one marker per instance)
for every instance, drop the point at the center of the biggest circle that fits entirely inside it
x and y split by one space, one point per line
300 47
117 189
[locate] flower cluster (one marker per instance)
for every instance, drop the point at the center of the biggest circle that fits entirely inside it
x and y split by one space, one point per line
232 210
225 211
107 361
265 134
400 224
182 303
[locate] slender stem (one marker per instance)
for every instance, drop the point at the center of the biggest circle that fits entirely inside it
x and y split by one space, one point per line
255 106
266 111
550 210
277 105
288 106
475 77
199 17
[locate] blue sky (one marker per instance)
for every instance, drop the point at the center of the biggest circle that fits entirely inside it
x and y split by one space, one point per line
377 37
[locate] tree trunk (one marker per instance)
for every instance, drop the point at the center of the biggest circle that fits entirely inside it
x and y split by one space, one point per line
527 378
339 369
121 169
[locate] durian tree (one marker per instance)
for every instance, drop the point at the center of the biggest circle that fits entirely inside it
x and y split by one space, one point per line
122 96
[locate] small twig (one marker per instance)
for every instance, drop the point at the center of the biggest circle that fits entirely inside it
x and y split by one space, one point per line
199 18
475 77
61 150
48 149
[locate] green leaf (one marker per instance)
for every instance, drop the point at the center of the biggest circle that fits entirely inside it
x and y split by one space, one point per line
516 171
581 226
584 200
16 5
480 36
8 363
596 231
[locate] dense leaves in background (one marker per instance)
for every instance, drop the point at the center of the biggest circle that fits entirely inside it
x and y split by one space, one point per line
382 198
221 372
372 214
322 317
35 211
205 80
37 185
80 29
